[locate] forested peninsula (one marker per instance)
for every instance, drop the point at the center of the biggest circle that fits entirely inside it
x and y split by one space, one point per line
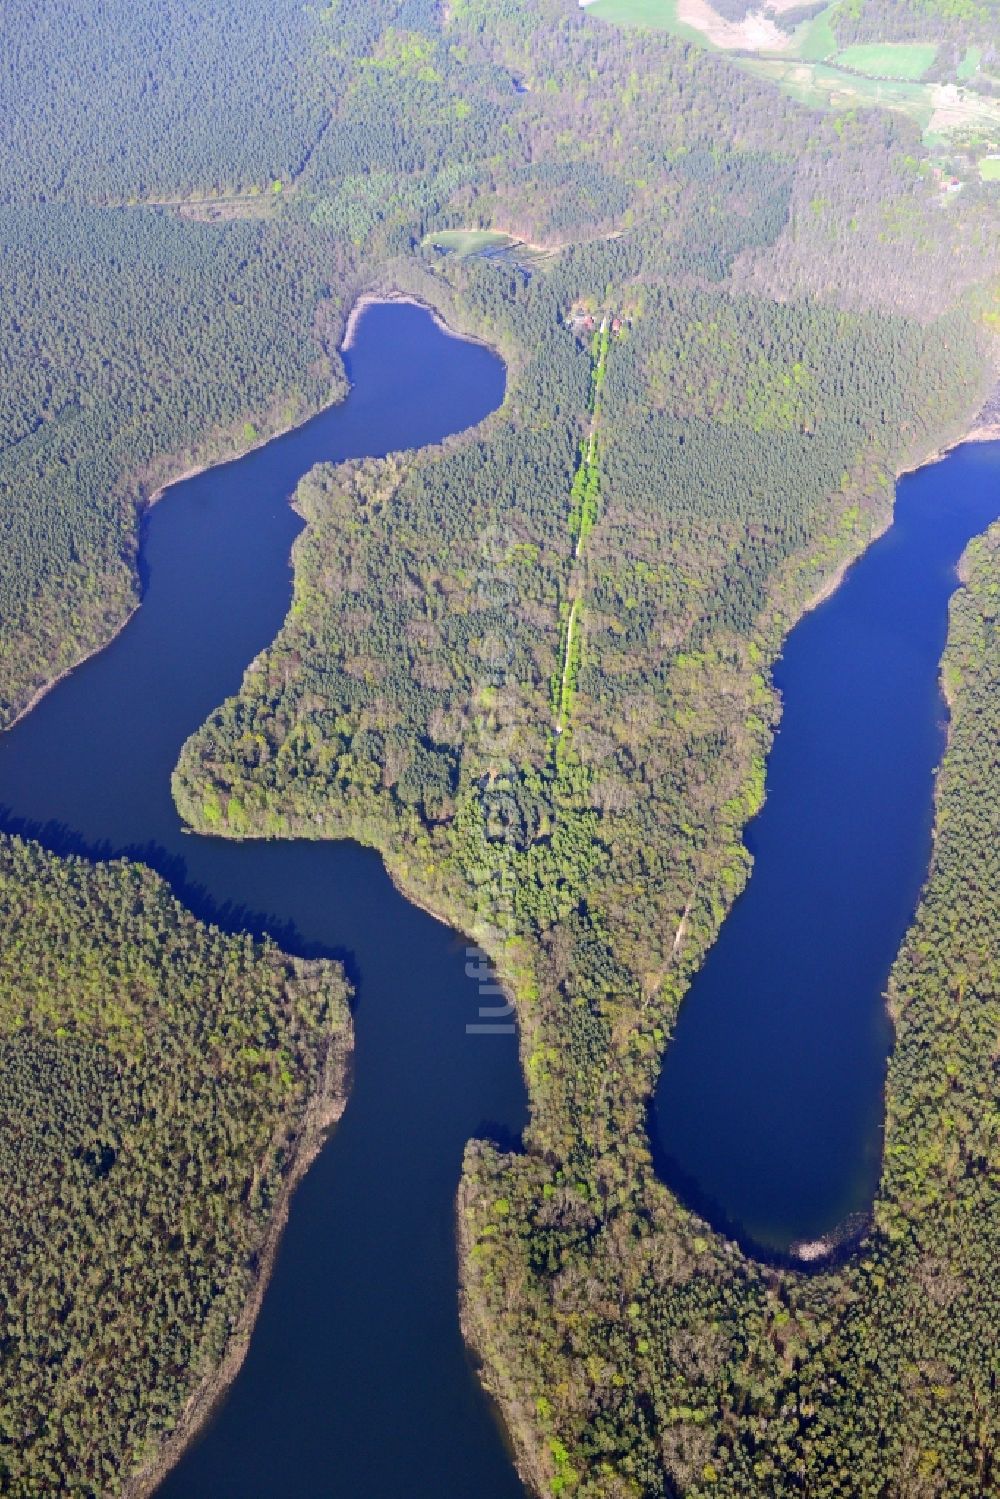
163 1087
532 667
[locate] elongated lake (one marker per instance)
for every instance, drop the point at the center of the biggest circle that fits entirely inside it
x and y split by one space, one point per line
357 1385
769 1112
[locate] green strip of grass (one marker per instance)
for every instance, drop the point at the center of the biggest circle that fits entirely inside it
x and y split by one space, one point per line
969 66
468 241
905 60
656 15
816 41
653 13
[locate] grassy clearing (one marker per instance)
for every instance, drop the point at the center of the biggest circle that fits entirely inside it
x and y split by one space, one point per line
969 66
463 242
825 87
989 168
961 112
813 39
655 15
904 60
815 42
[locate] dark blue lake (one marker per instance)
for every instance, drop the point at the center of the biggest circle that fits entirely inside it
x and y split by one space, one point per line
769 1112
357 1383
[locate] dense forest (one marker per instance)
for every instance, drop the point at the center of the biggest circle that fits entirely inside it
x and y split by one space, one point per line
128 101
532 667
959 21
160 1086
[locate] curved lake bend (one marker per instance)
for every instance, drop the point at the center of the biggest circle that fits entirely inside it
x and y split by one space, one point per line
769 1112
356 1385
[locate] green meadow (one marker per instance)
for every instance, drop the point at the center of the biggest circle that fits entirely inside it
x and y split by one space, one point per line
903 60
468 241
815 41
970 64
657 15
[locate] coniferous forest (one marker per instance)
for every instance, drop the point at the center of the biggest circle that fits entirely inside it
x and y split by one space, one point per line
531 666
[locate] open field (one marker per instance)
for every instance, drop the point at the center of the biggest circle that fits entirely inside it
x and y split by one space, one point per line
658 15
755 33
495 243
815 41
905 60
822 86
697 20
469 241
969 66
653 13
631 12
959 111
989 168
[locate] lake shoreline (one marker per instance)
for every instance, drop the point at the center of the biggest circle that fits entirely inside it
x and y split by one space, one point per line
407 299
843 1241
519 1435
981 431
143 507
359 307
323 1111
847 1238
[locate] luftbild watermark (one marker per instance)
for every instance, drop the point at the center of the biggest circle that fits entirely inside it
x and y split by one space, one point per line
495 1019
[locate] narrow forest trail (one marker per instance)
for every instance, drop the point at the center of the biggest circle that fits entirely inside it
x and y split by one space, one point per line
566 685
585 496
